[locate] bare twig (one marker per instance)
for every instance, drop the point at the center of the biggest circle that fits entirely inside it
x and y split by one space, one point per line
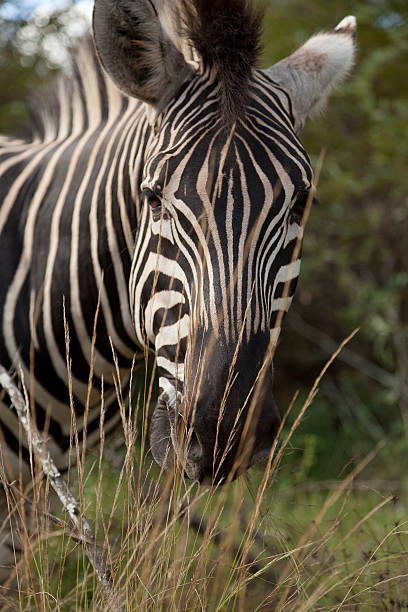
59 485
69 528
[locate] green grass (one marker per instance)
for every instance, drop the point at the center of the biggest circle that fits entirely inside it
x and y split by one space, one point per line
312 546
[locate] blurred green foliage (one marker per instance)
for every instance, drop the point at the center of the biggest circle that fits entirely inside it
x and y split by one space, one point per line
32 48
355 265
355 259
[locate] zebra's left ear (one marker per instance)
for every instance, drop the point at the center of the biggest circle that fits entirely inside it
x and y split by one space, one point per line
313 70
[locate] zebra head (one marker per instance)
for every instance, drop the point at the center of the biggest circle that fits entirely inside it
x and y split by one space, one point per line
223 189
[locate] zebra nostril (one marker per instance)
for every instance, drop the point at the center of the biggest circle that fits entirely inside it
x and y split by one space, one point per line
194 457
194 449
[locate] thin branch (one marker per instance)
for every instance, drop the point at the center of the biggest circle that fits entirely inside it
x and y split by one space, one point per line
68 528
70 505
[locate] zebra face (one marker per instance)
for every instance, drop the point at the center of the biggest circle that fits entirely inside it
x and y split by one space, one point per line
223 188
222 212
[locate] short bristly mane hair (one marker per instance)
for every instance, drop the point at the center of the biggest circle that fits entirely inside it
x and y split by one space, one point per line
227 36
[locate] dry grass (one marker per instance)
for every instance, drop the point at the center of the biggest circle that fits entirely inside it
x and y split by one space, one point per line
250 545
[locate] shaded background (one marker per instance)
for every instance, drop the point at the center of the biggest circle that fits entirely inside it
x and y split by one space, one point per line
355 263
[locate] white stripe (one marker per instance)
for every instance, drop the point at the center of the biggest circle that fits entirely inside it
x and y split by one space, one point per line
230 248
166 386
175 369
162 299
37 153
170 335
287 273
281 304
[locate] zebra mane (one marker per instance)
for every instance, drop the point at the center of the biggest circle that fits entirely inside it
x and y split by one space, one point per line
52 110
227 36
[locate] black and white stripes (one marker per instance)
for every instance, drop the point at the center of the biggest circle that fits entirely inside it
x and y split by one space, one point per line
170 225
68 221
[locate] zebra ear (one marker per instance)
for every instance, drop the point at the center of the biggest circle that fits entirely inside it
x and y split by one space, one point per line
311 72
136 52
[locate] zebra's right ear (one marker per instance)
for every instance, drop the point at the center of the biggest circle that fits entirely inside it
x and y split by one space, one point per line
136 52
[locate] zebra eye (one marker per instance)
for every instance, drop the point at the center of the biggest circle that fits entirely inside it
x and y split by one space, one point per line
155 202
152 198
298 207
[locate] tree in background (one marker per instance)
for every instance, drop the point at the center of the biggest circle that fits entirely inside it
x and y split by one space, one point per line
355 265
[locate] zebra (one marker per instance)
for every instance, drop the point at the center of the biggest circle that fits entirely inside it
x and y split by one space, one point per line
154 204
